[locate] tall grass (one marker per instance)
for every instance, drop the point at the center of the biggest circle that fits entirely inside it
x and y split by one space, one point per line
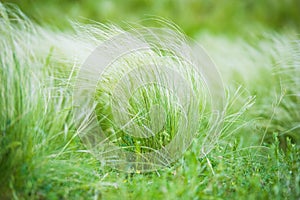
42 156
38 136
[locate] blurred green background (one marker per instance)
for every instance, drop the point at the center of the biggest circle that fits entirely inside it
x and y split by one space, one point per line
193 16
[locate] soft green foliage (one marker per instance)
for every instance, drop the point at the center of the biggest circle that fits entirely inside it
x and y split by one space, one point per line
42 157
142 116
224 16
38 136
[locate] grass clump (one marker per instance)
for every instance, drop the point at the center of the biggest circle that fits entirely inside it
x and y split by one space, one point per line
38 135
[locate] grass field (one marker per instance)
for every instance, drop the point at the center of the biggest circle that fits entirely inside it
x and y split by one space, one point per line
255 156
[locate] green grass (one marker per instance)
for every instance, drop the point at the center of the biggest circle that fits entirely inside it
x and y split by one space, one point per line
224 17
256 156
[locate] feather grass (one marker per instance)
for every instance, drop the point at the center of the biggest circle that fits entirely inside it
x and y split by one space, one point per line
42 157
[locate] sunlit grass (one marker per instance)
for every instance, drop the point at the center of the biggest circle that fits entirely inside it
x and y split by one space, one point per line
41 156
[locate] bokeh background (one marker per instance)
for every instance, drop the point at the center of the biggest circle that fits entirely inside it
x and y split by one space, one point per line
228 17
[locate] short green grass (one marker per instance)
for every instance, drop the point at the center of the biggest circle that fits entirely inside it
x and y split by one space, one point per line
257 155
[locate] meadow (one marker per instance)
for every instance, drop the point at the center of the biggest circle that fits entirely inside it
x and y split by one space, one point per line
255 154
